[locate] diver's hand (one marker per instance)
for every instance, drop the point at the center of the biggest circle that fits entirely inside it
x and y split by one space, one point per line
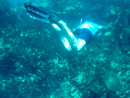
103 28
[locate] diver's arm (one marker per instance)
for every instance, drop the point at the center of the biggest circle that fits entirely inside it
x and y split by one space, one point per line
95 29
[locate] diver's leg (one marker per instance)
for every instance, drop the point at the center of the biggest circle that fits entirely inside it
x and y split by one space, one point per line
78 44
41 14
63 37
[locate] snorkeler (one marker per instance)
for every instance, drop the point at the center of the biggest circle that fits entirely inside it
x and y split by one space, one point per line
77 40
